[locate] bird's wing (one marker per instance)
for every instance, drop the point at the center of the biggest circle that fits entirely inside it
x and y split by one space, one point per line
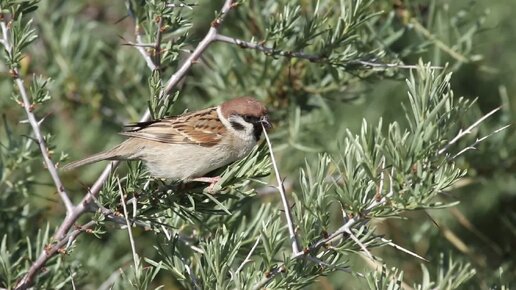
203 128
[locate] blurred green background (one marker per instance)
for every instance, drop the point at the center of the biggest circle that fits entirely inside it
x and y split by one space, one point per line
99 84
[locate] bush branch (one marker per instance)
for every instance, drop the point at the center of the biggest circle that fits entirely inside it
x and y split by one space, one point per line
269 50
35 124
48 252
316 58
210 37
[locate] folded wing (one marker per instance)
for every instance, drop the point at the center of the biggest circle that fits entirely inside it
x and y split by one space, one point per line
202 128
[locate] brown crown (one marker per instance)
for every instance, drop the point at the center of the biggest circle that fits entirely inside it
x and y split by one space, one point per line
243 106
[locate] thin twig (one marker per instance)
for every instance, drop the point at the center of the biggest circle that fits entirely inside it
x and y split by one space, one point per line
286 207
392 65
400 248
73 282
359 243
248 257
141 49
35 126
439 43
139 44
478 140
307 56
269 50
463 133
201 47
113 217
129 229
338 233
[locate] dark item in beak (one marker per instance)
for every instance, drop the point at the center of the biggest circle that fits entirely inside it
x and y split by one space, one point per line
265 122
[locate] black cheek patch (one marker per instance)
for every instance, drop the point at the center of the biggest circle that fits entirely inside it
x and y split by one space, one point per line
237 126
257 131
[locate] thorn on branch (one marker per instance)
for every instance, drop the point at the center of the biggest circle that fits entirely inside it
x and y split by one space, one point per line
215 23
13 74
47 248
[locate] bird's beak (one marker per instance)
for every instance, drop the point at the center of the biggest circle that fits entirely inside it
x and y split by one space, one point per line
265 122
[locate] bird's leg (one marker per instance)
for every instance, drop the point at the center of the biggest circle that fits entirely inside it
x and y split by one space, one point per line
211 180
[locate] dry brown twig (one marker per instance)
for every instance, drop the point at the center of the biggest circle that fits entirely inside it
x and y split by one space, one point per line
307 56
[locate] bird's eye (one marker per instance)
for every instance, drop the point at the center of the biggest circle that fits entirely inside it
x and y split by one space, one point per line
250 119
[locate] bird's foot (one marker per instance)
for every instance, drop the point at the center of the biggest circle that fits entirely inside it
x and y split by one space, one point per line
211 180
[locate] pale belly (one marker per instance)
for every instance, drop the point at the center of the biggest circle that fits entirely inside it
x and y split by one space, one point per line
186 161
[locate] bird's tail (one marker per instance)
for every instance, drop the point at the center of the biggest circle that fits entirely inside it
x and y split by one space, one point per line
106 155
126 150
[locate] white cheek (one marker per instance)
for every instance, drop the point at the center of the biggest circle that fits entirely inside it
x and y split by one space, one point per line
242 141
246 134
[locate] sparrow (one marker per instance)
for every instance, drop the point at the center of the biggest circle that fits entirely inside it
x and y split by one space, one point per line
188 146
